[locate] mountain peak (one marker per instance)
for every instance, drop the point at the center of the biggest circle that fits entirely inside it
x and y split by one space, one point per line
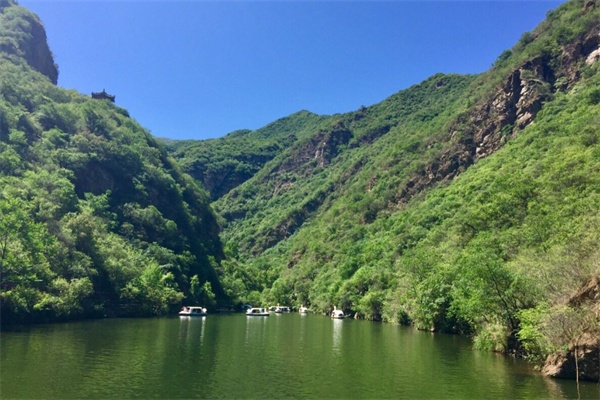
22 36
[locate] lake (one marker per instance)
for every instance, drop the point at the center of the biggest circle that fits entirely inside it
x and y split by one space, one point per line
280 356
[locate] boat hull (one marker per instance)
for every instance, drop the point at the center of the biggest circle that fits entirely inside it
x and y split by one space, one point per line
193 311
257 312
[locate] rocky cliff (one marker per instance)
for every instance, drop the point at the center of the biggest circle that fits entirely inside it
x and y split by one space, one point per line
582 356
486 127
23 36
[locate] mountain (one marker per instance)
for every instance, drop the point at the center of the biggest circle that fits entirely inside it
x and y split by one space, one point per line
465 204
23 40
225 163
462 204
95 217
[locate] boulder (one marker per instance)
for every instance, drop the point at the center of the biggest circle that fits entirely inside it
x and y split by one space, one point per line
562 365
586 347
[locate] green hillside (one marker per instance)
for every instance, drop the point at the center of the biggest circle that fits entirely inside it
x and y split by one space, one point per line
463 204
225 163
95 218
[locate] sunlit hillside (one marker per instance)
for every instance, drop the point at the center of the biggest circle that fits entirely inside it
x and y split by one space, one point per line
95 218
463 204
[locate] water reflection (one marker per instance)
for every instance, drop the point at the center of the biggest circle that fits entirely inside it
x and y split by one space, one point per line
234 356
188 326
255 328
337 335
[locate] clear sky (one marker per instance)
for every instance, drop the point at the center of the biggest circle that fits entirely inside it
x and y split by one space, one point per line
194 69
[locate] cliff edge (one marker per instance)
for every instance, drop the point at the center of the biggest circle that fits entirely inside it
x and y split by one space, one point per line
22 35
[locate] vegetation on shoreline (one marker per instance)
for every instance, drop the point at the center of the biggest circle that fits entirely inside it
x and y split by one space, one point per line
463 204
95 218
466 204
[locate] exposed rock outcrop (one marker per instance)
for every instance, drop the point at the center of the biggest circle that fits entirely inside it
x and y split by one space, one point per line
31 43
38 54
329 143
321 148
583 353
562 365
587 49
487 126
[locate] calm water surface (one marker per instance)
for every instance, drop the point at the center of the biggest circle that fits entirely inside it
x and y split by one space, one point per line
281 356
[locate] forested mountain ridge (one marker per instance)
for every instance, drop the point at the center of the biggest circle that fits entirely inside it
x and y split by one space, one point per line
317 169
227 162
464 203
481 114
95 217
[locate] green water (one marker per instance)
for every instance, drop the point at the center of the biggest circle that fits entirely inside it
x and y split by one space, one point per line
281 356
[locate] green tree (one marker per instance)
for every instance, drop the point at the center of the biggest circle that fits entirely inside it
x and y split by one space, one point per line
152 293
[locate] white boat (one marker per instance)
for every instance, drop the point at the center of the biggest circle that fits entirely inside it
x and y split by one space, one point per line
257 312
282 309
337 314
192 311
303 310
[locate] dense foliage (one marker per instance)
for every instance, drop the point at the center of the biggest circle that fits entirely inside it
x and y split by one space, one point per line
228 162
465 203
438 207
95 218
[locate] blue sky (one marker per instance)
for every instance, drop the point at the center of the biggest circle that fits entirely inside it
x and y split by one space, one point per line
200 69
